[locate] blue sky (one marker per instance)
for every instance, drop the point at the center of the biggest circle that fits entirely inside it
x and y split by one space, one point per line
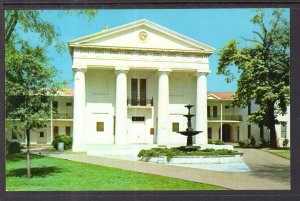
214 27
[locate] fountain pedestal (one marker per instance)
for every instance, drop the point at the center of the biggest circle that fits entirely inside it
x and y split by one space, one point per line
189 132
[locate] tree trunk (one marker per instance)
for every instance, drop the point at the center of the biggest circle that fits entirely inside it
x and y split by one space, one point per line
273 137
28 153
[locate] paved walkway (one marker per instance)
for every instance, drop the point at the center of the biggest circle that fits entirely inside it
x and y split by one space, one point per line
270 172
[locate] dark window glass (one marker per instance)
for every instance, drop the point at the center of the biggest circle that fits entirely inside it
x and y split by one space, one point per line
55 106
138 118
68 130
175 127
283 129
249 131
55 131
261 133
208 111
227 107
68 104
209 133
215 111
42 134
134 91
143 92
100 126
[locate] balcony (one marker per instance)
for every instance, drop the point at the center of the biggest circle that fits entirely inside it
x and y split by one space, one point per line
62 116
140 102
226 118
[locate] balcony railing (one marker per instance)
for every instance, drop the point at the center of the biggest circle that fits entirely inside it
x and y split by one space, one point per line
62 116
226 117
140 102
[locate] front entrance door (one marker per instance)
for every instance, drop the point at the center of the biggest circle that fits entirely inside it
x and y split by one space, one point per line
225 133
137 130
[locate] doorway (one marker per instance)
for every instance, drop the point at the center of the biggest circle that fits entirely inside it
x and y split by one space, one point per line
225 133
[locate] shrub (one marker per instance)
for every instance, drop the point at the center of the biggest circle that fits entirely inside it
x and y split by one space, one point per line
210 141
13 147
219 142
67 140
264 143
252 141
242 144
285 143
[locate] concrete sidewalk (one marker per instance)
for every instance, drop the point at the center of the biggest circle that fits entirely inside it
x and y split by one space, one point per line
270 172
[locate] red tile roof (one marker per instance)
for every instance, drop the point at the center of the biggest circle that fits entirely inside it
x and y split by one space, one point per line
66 92
222 95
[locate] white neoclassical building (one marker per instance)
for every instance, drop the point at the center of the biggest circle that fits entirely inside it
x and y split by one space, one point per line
131 84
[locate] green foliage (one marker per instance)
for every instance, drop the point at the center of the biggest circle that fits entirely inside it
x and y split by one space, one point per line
264 143
31 21
13 147
264 68
67 140
252 141
285 143
242 144
179 151
219 142
210 141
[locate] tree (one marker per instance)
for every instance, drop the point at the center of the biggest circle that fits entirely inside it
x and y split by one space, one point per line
264 67
29 83
29 79
32 21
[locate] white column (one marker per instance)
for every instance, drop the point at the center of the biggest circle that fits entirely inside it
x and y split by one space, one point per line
163 127
201 108
221 120
121 106
79 132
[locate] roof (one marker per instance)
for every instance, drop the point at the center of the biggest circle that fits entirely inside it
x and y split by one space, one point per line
221 95
66 92
134 25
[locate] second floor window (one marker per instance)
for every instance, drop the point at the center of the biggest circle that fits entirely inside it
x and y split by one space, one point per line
208 111
55 106
215 111
138 91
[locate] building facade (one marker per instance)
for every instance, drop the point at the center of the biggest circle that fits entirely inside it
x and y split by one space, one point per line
131 84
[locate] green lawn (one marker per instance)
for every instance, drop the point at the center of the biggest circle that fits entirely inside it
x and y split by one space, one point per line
285 153
52 174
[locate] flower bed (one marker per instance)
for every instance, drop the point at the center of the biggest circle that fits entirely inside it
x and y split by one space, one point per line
181 152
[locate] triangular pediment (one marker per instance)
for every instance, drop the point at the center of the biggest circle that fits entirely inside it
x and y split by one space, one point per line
212 97
141 34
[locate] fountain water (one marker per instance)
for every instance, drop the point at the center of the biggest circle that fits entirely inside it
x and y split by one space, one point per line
189 131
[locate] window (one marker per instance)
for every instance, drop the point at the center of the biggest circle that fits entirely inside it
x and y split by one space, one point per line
42 134
175 127
55 106
143 92
151 131
138 92
215 111
208 111
99 126
55 131
227 107
209 132
68 104
249 131
68 130
138 119
283 129
261 133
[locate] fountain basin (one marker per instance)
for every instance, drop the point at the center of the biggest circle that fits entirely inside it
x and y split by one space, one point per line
221 159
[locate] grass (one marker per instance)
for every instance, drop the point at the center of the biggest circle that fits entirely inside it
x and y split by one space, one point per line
285 153
52 174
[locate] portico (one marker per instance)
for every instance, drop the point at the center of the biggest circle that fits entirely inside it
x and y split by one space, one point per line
131 83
